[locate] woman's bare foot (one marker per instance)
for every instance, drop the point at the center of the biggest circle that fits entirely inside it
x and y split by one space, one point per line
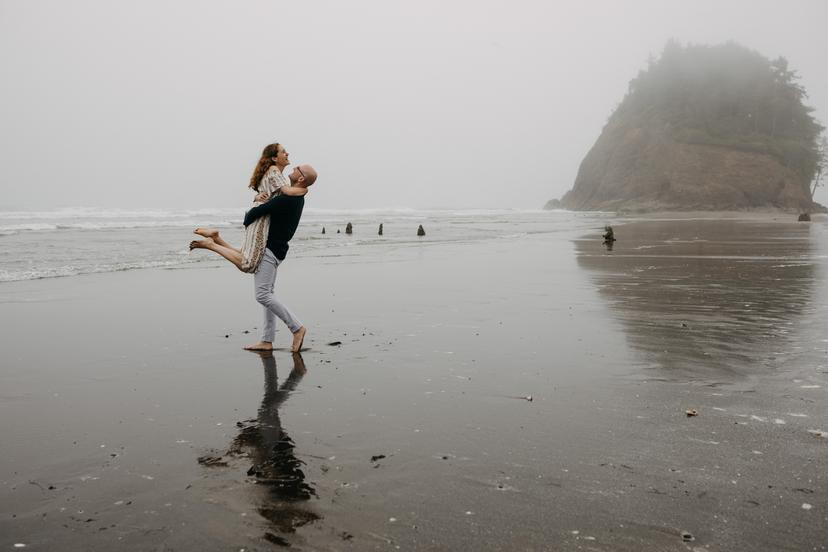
206 243
260 346
298 339
206 232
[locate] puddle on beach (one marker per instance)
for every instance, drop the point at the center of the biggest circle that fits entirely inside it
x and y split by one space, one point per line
709 298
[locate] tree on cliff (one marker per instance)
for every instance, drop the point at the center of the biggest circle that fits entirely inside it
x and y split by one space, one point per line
727 95
822 165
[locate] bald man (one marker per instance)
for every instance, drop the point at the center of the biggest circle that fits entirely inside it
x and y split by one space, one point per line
284 212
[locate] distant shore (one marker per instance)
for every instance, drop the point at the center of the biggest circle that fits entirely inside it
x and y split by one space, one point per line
703 213
769 215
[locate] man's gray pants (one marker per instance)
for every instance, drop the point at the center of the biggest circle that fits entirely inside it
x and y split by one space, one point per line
265 280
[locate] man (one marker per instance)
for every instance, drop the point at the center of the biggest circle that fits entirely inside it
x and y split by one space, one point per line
284 212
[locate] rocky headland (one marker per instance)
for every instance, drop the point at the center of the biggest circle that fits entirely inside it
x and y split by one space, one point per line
705 128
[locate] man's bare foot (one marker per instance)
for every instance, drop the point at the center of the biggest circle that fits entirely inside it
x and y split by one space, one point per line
206 232
260 346
298 339
206 243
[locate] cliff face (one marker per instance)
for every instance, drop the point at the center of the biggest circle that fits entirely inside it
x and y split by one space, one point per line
632 168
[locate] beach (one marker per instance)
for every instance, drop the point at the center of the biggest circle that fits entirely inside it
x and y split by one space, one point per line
503 383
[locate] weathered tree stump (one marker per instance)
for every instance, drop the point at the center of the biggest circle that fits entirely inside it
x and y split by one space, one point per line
609 235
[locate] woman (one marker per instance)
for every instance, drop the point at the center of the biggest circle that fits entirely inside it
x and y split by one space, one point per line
267 180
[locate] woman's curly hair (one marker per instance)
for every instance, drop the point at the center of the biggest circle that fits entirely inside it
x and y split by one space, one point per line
265 162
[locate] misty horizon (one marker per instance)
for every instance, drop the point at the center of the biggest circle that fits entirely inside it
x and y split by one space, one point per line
421 106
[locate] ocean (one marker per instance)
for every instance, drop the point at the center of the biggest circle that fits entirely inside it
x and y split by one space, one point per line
70 242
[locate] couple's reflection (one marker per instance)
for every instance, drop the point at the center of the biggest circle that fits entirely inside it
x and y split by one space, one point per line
279 476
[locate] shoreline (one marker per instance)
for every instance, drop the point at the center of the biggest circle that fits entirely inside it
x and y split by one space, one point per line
757 214
747 214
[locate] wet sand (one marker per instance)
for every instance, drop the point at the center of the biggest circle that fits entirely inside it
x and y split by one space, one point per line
513 394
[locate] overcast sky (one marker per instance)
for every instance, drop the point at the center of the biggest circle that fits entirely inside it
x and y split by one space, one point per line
425 104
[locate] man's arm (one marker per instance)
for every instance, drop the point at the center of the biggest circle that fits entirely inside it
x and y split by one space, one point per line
295 191
263 209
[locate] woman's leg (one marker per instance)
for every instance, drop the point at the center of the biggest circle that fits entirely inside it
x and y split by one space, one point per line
232 255
216 237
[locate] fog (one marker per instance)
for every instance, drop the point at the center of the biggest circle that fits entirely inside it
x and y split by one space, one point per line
426 104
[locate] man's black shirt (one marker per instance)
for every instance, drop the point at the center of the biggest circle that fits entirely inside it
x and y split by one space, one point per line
284 213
